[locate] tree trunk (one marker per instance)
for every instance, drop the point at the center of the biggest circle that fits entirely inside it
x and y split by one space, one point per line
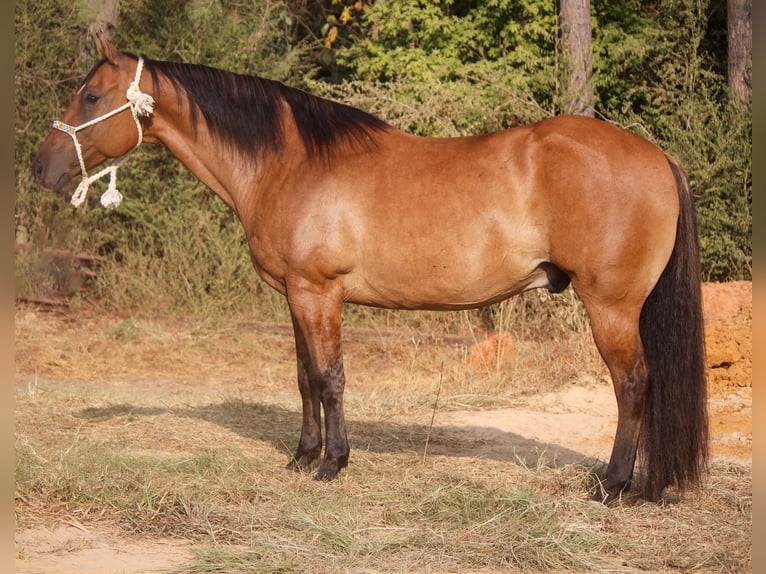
740 37
101 15
576 43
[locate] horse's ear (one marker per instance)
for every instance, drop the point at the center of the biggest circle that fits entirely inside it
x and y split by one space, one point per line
106 49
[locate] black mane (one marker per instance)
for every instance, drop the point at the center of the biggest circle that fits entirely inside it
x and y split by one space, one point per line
246 111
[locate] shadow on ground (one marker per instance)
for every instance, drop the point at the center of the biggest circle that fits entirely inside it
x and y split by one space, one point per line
278 426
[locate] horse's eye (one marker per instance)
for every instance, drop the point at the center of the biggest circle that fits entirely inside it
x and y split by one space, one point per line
91 98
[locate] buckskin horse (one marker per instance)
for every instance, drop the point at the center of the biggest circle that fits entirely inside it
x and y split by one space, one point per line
340 207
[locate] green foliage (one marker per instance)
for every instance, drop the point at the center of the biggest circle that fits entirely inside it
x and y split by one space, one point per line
719 152
178 233
467 67
244 37
661 71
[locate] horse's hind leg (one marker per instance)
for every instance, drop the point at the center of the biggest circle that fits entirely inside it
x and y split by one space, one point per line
616 333
317 321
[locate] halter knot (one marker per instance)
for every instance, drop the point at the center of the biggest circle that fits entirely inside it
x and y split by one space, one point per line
141 105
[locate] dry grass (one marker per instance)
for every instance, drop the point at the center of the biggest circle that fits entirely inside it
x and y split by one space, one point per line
182 431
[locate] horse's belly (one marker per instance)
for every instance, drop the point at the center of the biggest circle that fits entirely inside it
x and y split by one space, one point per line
443 286
441 266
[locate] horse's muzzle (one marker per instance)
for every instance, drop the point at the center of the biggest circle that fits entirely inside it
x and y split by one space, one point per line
51 171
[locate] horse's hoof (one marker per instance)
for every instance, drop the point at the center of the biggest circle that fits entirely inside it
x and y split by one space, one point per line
300 464
328 470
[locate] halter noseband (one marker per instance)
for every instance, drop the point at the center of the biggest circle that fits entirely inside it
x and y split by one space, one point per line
140 105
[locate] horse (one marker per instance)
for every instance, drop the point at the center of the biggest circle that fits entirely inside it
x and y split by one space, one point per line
340 207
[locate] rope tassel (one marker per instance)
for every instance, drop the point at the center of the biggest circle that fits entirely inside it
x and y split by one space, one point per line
111 198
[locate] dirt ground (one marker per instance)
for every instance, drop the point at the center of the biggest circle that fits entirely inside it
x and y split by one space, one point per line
581 419
566 424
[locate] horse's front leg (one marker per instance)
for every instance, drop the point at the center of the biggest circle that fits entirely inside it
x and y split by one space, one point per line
310 444
316 315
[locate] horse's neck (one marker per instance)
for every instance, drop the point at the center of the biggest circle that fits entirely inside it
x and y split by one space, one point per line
208 159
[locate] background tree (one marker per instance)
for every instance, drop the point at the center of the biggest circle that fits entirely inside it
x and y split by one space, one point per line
740 41
576 48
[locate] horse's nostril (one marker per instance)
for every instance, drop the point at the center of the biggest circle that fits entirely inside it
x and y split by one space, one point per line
37 169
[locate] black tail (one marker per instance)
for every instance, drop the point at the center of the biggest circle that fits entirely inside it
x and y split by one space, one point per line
674 441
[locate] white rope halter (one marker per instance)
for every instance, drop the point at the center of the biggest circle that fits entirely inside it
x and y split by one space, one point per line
140 105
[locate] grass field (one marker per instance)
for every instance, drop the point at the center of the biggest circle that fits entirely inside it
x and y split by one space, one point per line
178 432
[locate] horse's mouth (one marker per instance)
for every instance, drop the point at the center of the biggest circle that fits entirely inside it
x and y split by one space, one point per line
44 174
61 183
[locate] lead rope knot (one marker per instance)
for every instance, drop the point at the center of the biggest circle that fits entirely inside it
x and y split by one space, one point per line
141 105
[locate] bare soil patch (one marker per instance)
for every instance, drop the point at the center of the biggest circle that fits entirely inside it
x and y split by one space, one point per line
71 548
102 372
580 419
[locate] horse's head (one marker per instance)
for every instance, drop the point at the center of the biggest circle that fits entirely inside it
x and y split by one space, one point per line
101 121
